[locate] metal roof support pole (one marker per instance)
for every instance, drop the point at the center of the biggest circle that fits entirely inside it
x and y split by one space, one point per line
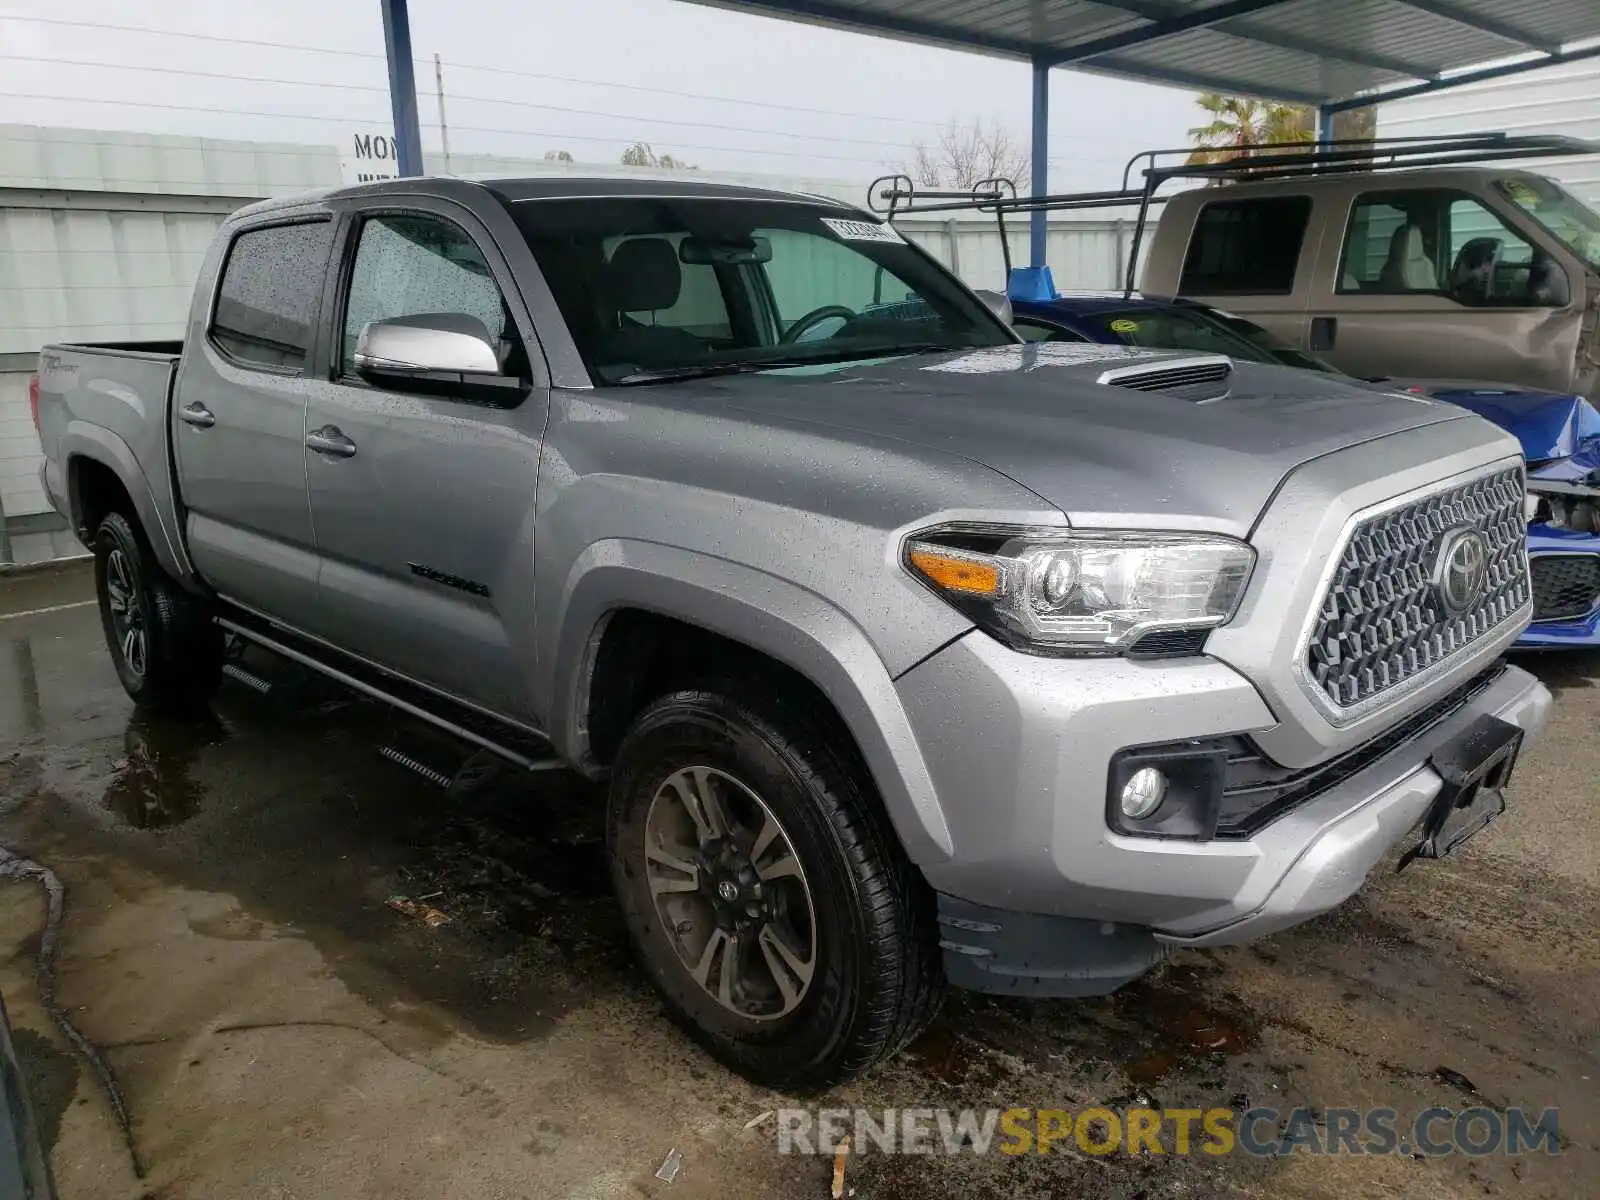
402 87
1324 126
1039 168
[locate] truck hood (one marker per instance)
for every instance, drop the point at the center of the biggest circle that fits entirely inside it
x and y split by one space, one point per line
1104 455
1548 424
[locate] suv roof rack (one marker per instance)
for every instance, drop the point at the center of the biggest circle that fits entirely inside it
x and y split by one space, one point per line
898 195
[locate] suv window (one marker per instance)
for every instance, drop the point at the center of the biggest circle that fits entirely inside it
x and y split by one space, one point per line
407 265
1246 247
268 294
1436 242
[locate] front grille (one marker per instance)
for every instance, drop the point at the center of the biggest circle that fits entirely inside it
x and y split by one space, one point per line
1382 621
1256 790
1565 586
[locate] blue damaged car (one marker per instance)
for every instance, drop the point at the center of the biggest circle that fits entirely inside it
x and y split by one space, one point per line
1560 434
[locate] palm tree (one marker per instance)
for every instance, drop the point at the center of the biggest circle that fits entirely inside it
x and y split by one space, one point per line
1238 123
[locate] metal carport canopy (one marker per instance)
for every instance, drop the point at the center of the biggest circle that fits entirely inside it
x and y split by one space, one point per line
1332 54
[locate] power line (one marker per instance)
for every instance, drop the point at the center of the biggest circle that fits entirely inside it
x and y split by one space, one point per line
270 45
506 71
344 120
655 91
360 87
229 75
198 37
187 72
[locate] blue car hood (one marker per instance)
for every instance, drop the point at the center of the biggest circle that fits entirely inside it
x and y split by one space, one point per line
1548 424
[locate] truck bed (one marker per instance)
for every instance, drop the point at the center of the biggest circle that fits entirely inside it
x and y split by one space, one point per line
110 401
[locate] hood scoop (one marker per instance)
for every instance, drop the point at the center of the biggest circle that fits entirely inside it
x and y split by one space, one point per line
1199 378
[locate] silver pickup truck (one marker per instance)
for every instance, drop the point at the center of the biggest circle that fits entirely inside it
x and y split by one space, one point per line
911 653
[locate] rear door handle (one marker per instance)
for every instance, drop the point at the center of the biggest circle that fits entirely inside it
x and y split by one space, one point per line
1324 330
198 415
329 440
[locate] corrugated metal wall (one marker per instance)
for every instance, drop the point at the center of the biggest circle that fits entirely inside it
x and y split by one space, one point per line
1563 99
102 235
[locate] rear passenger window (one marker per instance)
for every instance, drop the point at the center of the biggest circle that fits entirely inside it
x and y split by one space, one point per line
268 295
1246 247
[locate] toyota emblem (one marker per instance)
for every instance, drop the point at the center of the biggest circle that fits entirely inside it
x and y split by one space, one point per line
1462 569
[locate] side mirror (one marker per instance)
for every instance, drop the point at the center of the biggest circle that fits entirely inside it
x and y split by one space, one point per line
996 302
448 354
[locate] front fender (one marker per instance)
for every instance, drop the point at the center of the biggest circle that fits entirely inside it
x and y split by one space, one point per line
95 443
768 614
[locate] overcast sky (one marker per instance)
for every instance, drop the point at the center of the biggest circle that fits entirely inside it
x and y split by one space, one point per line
746 77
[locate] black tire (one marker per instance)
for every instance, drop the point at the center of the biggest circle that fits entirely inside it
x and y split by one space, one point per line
174 663
875 978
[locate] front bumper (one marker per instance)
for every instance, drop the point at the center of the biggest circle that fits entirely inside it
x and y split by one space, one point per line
1569 631
1041 896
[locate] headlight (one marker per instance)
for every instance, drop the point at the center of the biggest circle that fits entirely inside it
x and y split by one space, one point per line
1064 592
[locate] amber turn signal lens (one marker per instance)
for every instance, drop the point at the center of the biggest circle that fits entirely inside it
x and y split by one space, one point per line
957 574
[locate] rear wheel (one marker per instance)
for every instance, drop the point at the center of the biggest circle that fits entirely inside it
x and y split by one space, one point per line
166 649
764 889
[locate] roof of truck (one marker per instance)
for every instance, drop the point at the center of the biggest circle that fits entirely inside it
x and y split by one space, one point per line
1363 181
571 187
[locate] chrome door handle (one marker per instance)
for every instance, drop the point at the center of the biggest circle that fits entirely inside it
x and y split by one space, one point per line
197 414
329 440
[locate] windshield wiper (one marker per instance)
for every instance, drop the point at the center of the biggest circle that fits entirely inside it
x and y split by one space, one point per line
702 371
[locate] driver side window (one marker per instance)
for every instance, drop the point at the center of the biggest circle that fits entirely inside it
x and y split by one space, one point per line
1438 242
407 266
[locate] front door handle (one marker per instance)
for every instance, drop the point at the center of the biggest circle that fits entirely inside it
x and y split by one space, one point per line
329 440
1323 332
198 415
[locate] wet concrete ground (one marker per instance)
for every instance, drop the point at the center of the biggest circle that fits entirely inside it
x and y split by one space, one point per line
277 1030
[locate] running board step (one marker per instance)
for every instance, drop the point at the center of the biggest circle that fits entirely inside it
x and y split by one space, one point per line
248 678
401 758
518 745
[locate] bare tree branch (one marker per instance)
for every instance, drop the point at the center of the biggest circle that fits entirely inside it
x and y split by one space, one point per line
967 153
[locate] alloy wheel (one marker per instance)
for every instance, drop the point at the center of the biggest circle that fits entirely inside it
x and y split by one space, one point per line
730 892
127 613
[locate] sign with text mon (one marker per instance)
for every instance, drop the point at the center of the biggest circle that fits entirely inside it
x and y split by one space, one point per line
364 157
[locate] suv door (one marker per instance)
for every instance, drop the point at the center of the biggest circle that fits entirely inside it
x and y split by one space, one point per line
239 424
424 503
1433 282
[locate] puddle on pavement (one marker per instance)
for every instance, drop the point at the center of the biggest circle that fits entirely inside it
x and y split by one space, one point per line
153 786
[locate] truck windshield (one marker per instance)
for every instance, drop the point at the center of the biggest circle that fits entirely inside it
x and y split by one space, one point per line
668 287
1558 212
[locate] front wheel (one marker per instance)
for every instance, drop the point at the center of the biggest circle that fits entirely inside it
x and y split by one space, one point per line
166 649
764 889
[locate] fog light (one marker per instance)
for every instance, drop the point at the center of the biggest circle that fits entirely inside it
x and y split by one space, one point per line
1143 793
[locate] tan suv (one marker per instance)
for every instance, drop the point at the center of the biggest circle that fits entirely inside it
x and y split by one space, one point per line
1481 273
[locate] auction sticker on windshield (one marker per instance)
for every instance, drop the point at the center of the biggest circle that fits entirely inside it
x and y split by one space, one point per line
862 231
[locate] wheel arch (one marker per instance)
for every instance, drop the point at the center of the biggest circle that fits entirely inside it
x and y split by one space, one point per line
619 586
93 458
